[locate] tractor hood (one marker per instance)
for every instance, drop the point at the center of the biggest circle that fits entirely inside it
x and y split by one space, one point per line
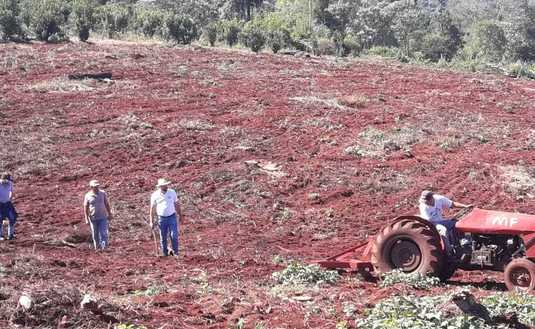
496 222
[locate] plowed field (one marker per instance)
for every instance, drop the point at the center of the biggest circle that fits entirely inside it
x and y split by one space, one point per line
276 158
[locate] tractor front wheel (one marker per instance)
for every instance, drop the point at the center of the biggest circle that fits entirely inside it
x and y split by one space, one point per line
520 275
408 245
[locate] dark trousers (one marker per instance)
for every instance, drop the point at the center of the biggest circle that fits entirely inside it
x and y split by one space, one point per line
7 210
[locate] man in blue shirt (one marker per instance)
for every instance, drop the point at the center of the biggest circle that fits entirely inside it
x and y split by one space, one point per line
7 210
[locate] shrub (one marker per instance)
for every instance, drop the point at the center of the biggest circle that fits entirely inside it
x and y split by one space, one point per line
181 29
277 39
488 41
297 273
48 18
210 33
9 18
112 19
414 280
436 46
82 16
230 30
149 21
352 44
253 37
520 69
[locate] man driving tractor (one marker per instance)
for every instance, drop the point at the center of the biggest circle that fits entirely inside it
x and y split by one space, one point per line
431 206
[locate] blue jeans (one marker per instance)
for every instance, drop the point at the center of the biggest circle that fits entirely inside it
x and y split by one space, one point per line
99 231
168 226
7 210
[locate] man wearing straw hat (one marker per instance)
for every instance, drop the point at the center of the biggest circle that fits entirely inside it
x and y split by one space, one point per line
164 204
97 212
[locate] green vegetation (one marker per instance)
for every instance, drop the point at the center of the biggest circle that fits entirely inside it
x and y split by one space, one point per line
432 312
414 280
297 273
481 35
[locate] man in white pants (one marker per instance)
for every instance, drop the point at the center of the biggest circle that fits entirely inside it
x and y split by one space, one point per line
431 206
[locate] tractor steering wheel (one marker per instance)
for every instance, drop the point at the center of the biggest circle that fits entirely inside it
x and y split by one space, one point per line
463 212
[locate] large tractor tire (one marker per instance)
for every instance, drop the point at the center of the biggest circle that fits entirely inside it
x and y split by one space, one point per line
519 275
410 245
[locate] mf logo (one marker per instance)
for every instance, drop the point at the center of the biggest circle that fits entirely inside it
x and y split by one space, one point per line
502 221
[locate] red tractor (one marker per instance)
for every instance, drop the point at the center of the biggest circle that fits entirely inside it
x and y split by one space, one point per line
482 240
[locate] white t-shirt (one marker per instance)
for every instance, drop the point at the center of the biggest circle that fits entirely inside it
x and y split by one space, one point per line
434 213
165 203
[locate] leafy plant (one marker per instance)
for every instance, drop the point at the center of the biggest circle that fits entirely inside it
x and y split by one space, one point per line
181 29
253 37
149 21
414 280
229 31
10 24
429 312
210 33
48 18
83 17
298 273
112 19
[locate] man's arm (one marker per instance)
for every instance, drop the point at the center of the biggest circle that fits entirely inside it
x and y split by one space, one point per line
177 207
460 205
86 211
108 208
151 215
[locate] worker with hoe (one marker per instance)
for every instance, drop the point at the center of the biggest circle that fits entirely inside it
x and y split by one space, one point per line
431 206
164 204
97 213
7 210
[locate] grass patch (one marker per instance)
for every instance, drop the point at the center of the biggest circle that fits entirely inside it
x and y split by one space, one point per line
414 280
64 85
519 180
375 143
196 124
354 101
325 102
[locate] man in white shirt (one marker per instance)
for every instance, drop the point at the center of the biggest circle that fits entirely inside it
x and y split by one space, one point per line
431 206
164 204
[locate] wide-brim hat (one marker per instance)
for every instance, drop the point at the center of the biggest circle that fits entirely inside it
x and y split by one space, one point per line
94 183
162 182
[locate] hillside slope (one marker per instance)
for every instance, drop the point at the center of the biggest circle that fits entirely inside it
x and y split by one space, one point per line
274 156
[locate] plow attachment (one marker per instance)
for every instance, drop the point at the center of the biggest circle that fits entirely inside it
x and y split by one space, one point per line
355 259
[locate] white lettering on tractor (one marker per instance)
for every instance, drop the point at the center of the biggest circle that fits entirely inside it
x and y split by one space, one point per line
504 221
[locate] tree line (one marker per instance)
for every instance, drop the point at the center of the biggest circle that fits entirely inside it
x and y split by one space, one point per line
473 33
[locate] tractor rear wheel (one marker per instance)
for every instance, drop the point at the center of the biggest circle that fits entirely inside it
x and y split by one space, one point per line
408 245
519 275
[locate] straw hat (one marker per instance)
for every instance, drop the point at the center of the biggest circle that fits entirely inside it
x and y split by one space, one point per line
94 183
162 182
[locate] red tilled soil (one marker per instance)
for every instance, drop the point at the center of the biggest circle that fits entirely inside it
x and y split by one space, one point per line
260 148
